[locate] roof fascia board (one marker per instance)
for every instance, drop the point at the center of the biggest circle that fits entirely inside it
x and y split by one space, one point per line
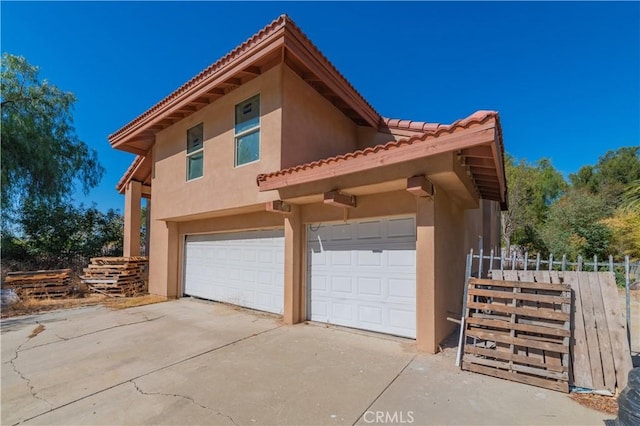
497 159
136 165
461 139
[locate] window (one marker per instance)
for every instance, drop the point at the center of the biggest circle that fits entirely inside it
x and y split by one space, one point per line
247 132
195 152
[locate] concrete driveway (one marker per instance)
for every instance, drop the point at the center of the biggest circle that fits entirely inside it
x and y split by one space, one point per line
191 362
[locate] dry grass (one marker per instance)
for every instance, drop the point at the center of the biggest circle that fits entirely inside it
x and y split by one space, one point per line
30 306
604 404
131 302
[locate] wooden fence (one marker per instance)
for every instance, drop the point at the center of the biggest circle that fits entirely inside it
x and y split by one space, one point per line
478 266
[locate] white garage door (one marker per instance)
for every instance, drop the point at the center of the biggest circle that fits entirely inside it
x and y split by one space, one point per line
363 275
242 268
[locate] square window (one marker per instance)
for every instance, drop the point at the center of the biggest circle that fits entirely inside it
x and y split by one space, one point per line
248 148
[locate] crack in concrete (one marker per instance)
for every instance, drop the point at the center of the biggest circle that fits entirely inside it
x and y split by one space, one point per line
149 372
188 398
22 376
94 332
19 349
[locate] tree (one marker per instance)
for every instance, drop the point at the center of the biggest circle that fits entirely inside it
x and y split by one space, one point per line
625 232
532 189
575 226
631 197
56 234
613 172
42 157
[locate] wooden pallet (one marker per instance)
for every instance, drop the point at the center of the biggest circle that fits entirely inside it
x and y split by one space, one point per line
40 284
519 330
116 276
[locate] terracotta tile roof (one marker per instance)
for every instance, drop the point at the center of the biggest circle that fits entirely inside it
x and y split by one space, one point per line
417 126
127 175
433 131
280 22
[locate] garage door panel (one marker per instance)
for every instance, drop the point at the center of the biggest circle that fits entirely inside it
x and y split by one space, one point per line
404 289
362 274
367 230
369 258
398 228
244 268
371 315
370 286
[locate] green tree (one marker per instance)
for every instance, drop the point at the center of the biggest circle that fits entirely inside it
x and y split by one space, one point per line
42 157
575 225
56 234
625 232
532 190
610 176
631 197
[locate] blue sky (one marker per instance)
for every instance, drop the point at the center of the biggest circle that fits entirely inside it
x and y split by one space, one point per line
564 76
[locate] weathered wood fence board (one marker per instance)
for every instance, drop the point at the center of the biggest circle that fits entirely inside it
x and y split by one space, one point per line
616 324
581 367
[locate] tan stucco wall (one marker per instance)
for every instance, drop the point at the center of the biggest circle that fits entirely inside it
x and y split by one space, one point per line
163 255
449 263
312 128
222 185
368 137
485 222
367 206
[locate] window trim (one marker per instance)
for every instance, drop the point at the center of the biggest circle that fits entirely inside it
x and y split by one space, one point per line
256 129
192 153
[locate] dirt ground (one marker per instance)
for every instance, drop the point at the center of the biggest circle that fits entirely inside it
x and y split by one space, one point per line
604 404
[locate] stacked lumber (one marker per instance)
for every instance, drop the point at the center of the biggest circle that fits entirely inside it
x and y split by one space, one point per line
40 284
519 330
116 276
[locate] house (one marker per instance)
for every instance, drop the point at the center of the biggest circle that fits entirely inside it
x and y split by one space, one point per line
274 185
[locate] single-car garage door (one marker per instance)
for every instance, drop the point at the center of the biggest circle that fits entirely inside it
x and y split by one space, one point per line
242 268
363 275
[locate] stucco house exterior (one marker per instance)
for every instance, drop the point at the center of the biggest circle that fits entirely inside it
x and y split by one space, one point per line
274 185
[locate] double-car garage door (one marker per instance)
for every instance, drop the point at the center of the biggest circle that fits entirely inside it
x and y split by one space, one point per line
359 274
